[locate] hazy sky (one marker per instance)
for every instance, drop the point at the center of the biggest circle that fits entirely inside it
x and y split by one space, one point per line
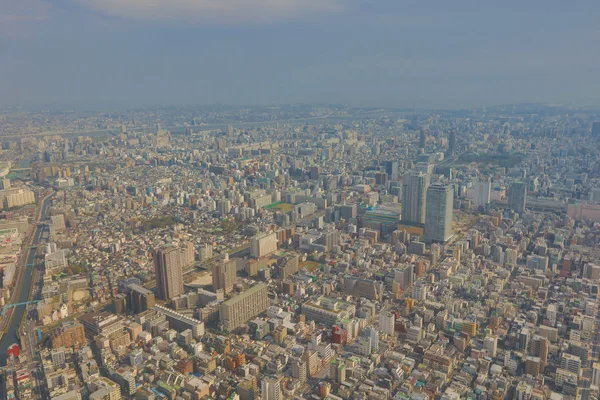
397 53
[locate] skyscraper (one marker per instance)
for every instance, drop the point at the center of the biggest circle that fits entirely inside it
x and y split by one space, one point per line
414 189
517 197
224 275
438 221
169 274
452 142
391 168
482 193
422 139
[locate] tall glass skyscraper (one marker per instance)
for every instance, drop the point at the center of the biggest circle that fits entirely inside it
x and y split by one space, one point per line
414 189
438 221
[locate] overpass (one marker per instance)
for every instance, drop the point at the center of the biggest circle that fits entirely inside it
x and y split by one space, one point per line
9 306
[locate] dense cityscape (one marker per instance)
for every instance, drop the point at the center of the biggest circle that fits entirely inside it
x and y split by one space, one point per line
300 252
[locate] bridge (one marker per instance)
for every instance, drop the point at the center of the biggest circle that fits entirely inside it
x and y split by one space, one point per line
9 306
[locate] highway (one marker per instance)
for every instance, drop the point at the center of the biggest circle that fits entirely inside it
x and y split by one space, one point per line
13 317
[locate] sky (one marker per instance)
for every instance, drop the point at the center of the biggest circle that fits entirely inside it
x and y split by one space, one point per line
367 53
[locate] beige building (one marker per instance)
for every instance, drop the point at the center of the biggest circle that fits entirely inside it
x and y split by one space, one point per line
224 275
239 309
263 244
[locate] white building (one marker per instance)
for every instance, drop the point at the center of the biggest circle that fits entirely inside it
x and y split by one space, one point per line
263 244
387 321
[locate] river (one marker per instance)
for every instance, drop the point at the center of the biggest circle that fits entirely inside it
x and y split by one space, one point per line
10 336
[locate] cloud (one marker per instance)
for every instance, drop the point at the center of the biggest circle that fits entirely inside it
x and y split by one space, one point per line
19 18
23 10
22 18
210 10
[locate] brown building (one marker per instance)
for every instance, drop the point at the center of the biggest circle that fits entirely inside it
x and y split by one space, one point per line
169 272
139 298
69 334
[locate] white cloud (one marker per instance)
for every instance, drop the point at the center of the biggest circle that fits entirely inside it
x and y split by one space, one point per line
210 10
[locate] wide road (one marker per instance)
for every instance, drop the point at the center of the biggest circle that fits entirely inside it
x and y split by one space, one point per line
15 317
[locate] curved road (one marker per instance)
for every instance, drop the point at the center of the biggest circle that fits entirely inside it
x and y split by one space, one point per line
15 315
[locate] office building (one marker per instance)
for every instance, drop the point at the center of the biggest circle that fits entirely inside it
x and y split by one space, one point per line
236 311
422 139
391 168
224 275
327 310
414 189
438 222
169 273
539 347
452 142
383 221
517 197
139 298
482 193
263 244
571 363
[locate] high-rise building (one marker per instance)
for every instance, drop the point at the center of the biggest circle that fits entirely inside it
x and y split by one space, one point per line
539 347
299 370
337 371
490 343
139 298
571 363
596 374
239 309
224 275
414 189
271 388
438 221
419 291
374 338
263 244
517 197
391 168
187 253
169 273
452 142
324 390
387 320
482 193
422 138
